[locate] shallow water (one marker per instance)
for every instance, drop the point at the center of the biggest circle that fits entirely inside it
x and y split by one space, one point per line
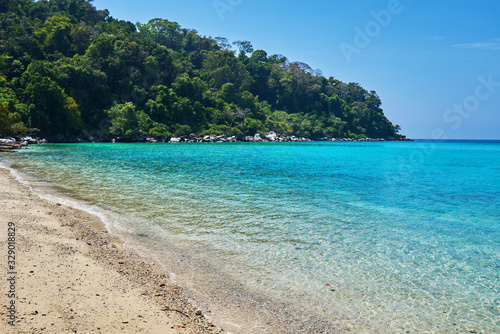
369 237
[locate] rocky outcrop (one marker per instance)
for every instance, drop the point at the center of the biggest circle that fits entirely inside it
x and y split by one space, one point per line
8 144
192 138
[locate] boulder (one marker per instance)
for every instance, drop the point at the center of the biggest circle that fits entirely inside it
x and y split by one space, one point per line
271 135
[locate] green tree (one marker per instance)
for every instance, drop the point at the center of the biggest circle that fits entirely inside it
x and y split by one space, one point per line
55 112
55 35
10 123
222 67
66 65
164 32
127 122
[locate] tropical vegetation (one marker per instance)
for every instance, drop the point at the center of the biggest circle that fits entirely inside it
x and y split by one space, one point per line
68 68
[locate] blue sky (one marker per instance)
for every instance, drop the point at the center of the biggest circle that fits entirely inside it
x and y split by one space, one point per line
435 64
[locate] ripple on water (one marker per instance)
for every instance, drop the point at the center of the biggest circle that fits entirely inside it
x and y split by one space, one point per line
347 237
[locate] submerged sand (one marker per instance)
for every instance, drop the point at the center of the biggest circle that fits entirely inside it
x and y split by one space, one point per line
71 276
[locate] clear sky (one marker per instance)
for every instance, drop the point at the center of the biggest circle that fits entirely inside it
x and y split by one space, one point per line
434 63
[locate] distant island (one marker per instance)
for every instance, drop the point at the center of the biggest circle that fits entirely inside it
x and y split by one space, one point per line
70 72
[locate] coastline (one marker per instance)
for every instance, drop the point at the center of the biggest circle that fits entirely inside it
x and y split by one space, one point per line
209 302
79 190
192 138
73 276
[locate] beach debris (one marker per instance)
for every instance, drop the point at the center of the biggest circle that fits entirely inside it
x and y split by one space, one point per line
174 310
328 284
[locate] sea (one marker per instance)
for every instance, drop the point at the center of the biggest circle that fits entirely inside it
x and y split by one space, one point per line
316 237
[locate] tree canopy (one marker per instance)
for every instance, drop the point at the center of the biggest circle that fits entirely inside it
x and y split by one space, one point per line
68 68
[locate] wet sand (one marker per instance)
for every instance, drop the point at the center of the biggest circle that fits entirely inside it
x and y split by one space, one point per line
71 276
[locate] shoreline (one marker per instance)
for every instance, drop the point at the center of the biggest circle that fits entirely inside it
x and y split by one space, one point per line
257 138
210 302
92 197
71 275
198 306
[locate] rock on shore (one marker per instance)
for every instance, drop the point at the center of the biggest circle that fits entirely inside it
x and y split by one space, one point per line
192 138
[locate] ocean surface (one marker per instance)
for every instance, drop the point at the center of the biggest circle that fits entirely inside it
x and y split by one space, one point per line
318 237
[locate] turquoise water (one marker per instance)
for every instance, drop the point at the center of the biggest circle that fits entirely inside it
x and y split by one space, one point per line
368 237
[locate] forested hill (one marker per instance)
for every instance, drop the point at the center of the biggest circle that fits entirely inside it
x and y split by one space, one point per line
67 68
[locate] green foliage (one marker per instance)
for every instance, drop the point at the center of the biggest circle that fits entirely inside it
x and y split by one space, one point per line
55 112
159 131
54 36
280 122
222 130
181 130
11 111
65 67
127 122
10 123
163 32
253 126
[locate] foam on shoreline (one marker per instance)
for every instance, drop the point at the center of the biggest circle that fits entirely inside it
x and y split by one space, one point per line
58 245
221 299
304 236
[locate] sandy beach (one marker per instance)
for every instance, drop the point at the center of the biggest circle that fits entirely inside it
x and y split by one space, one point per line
66 274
